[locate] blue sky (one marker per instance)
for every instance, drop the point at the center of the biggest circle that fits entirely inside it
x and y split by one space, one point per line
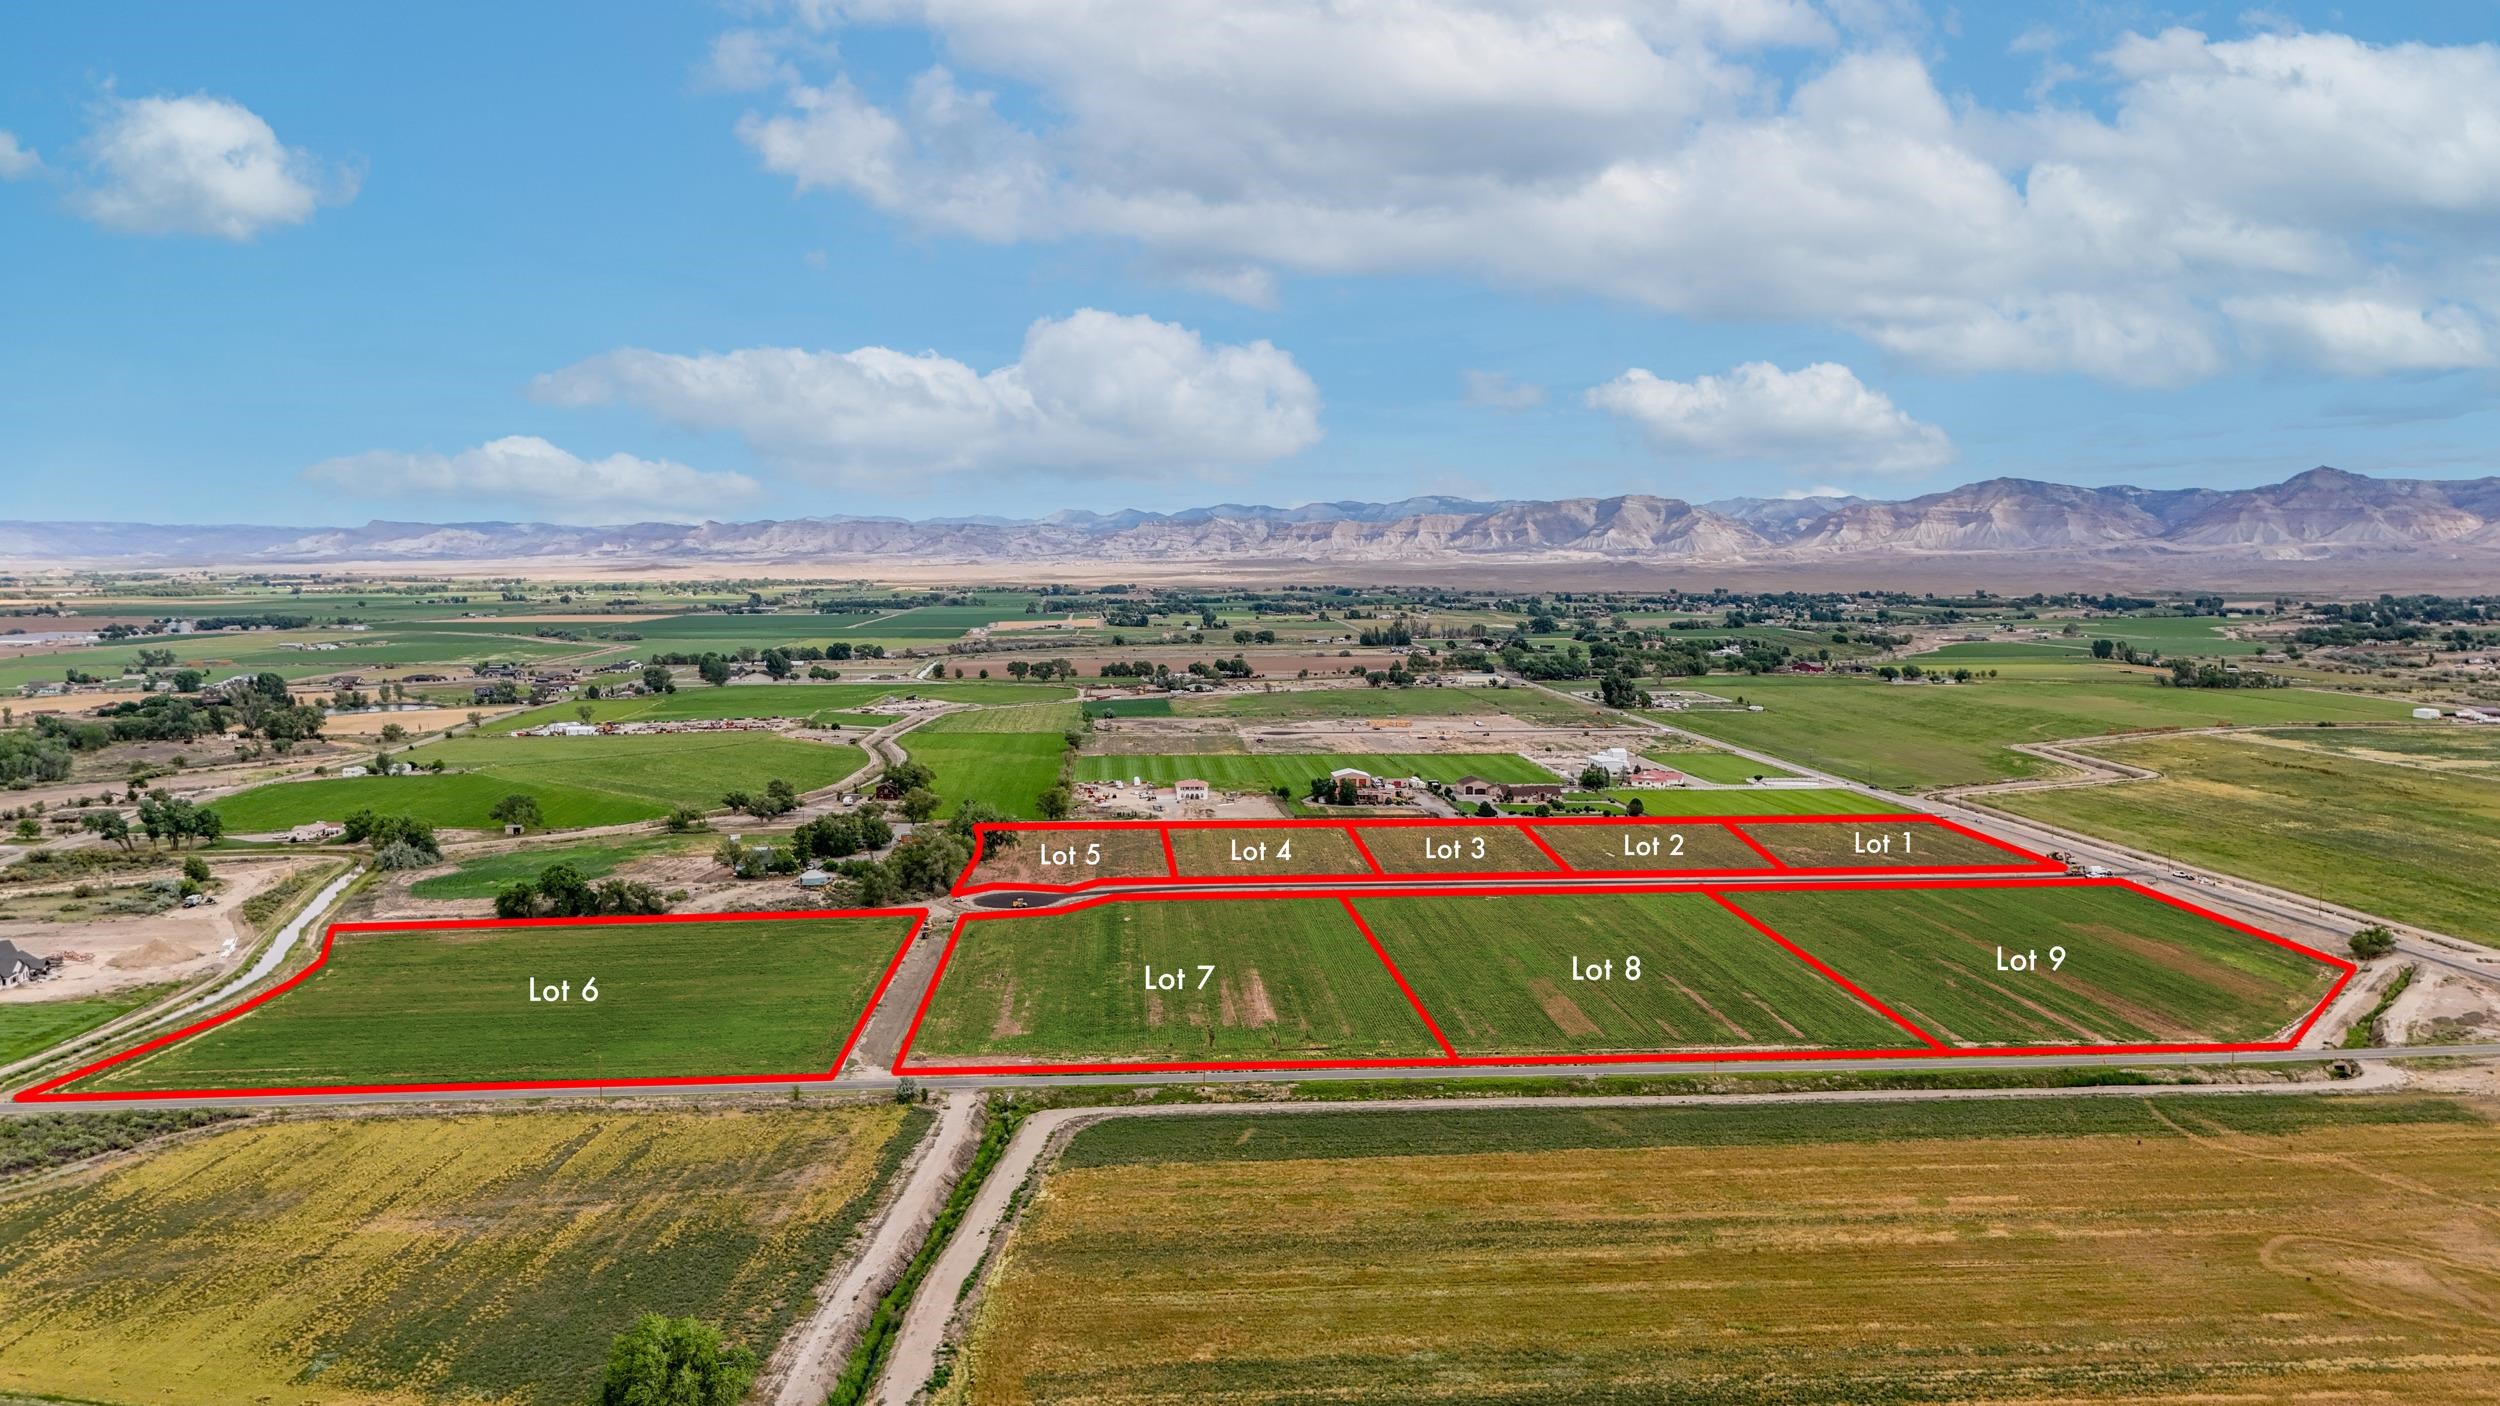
575 262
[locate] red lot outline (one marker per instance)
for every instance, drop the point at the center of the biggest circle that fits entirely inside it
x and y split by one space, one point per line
2025 861
1928 1048
45 1092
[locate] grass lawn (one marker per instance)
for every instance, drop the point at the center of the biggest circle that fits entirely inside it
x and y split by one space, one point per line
429 1260
485 877
1310 704
2136 970
1522 1256
1263 771
675 999
1129 708
31 1027
1292 979
1908 737
1519 975
578 781
2320 812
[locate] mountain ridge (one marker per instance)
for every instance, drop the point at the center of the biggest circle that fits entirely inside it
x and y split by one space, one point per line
2320 514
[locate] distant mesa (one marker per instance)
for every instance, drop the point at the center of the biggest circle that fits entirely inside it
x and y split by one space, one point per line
2323 515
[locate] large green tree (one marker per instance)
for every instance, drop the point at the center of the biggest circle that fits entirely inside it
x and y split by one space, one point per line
675 1362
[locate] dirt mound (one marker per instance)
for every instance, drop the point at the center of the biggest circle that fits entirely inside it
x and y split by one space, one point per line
156 952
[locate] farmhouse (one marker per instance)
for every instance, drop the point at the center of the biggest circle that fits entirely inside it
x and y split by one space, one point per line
317 832
1189 788
19 966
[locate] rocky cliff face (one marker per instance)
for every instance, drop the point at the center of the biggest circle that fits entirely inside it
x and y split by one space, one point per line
2322 514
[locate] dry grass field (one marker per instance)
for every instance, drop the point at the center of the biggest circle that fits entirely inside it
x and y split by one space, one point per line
472 1259
2156 1252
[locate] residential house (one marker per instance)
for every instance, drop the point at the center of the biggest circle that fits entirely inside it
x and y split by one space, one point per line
19 966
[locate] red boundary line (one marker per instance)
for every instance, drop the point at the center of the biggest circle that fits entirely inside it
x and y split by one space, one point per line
1360 848
1828 974
47 1091
1561 865
2029 863
1400 977
1757 846
1929 1049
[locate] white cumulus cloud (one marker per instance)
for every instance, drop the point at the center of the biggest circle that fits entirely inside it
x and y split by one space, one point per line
199 165
17 160
526 468
2361 334
1092 393
1817 416
1678 156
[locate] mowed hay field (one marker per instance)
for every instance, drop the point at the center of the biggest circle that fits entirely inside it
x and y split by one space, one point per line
1908 843
2156 1252
773 996
1497 974
577 781
399 1259
2136 970
1915 736
1292 978
2404 824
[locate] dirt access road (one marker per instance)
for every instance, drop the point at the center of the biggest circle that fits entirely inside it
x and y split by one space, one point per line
803 1371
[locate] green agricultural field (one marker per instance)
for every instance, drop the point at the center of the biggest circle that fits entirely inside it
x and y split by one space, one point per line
577 781
1291 979
1876 845
1313 704
1128 708
1017 717
1263 771
1005 757
29 1028
1735 800
1718 768
1258 851
673 769
2154 1251
1612 972
701 703
429 1260
2401 823
1914 736
773 996
459 800
945 622
2136 970
486 876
